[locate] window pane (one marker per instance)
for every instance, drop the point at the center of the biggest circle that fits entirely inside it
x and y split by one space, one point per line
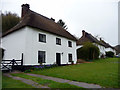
44 38
44 57
56 41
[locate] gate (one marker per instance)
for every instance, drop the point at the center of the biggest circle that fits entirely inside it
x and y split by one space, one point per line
10 64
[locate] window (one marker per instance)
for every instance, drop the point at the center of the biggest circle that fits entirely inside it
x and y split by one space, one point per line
69 44
58 41
41 56
42 38
70 57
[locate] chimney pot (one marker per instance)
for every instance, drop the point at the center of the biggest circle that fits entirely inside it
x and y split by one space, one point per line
83 32
25 9
52 19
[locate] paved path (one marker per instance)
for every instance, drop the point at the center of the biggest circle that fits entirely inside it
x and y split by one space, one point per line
27 81
80 84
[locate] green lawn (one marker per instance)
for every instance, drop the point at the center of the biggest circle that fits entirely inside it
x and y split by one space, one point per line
49 83
103 72
11 83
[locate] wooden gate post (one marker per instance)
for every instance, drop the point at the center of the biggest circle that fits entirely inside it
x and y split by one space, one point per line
22 60
13 61
22 63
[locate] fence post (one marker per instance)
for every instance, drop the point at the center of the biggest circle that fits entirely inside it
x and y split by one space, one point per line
22 60
13 63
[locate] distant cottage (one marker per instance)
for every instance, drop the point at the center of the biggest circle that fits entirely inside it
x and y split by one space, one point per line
40 39
102 45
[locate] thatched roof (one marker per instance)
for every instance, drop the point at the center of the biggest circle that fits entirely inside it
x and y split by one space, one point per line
106 45
117 48
35 20
87 37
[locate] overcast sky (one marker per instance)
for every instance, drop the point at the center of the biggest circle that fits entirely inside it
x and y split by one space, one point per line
98 17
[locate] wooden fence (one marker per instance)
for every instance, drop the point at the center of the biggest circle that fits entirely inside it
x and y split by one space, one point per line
10 64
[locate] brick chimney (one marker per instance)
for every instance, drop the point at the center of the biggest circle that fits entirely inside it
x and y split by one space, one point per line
83 33
25 9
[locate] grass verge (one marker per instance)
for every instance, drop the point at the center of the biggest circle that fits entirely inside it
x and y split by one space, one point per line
11 83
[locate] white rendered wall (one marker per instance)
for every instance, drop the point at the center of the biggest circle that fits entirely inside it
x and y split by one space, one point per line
33 46
14 44
79 46
101 48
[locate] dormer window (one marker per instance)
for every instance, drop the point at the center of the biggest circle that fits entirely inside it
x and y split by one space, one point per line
42 38
69 44
58 41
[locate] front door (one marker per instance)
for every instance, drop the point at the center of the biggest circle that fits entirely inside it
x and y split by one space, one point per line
58 59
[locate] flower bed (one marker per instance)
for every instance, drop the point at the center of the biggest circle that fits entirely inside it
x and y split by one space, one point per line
40 67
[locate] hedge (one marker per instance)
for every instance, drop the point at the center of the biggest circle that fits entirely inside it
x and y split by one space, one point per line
88 52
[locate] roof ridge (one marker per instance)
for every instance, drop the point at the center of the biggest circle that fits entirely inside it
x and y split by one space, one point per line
40 15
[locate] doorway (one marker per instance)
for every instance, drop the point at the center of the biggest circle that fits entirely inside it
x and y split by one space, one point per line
58 59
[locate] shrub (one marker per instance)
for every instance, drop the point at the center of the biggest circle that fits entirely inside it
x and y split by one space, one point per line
109 54
27 71
88 52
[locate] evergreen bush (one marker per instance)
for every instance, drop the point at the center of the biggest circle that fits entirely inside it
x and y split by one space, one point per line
109 54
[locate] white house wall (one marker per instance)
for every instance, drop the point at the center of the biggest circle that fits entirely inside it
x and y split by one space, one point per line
14 44
33 46
79 46
101 48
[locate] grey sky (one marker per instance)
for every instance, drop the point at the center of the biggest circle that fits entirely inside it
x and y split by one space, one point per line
98 17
